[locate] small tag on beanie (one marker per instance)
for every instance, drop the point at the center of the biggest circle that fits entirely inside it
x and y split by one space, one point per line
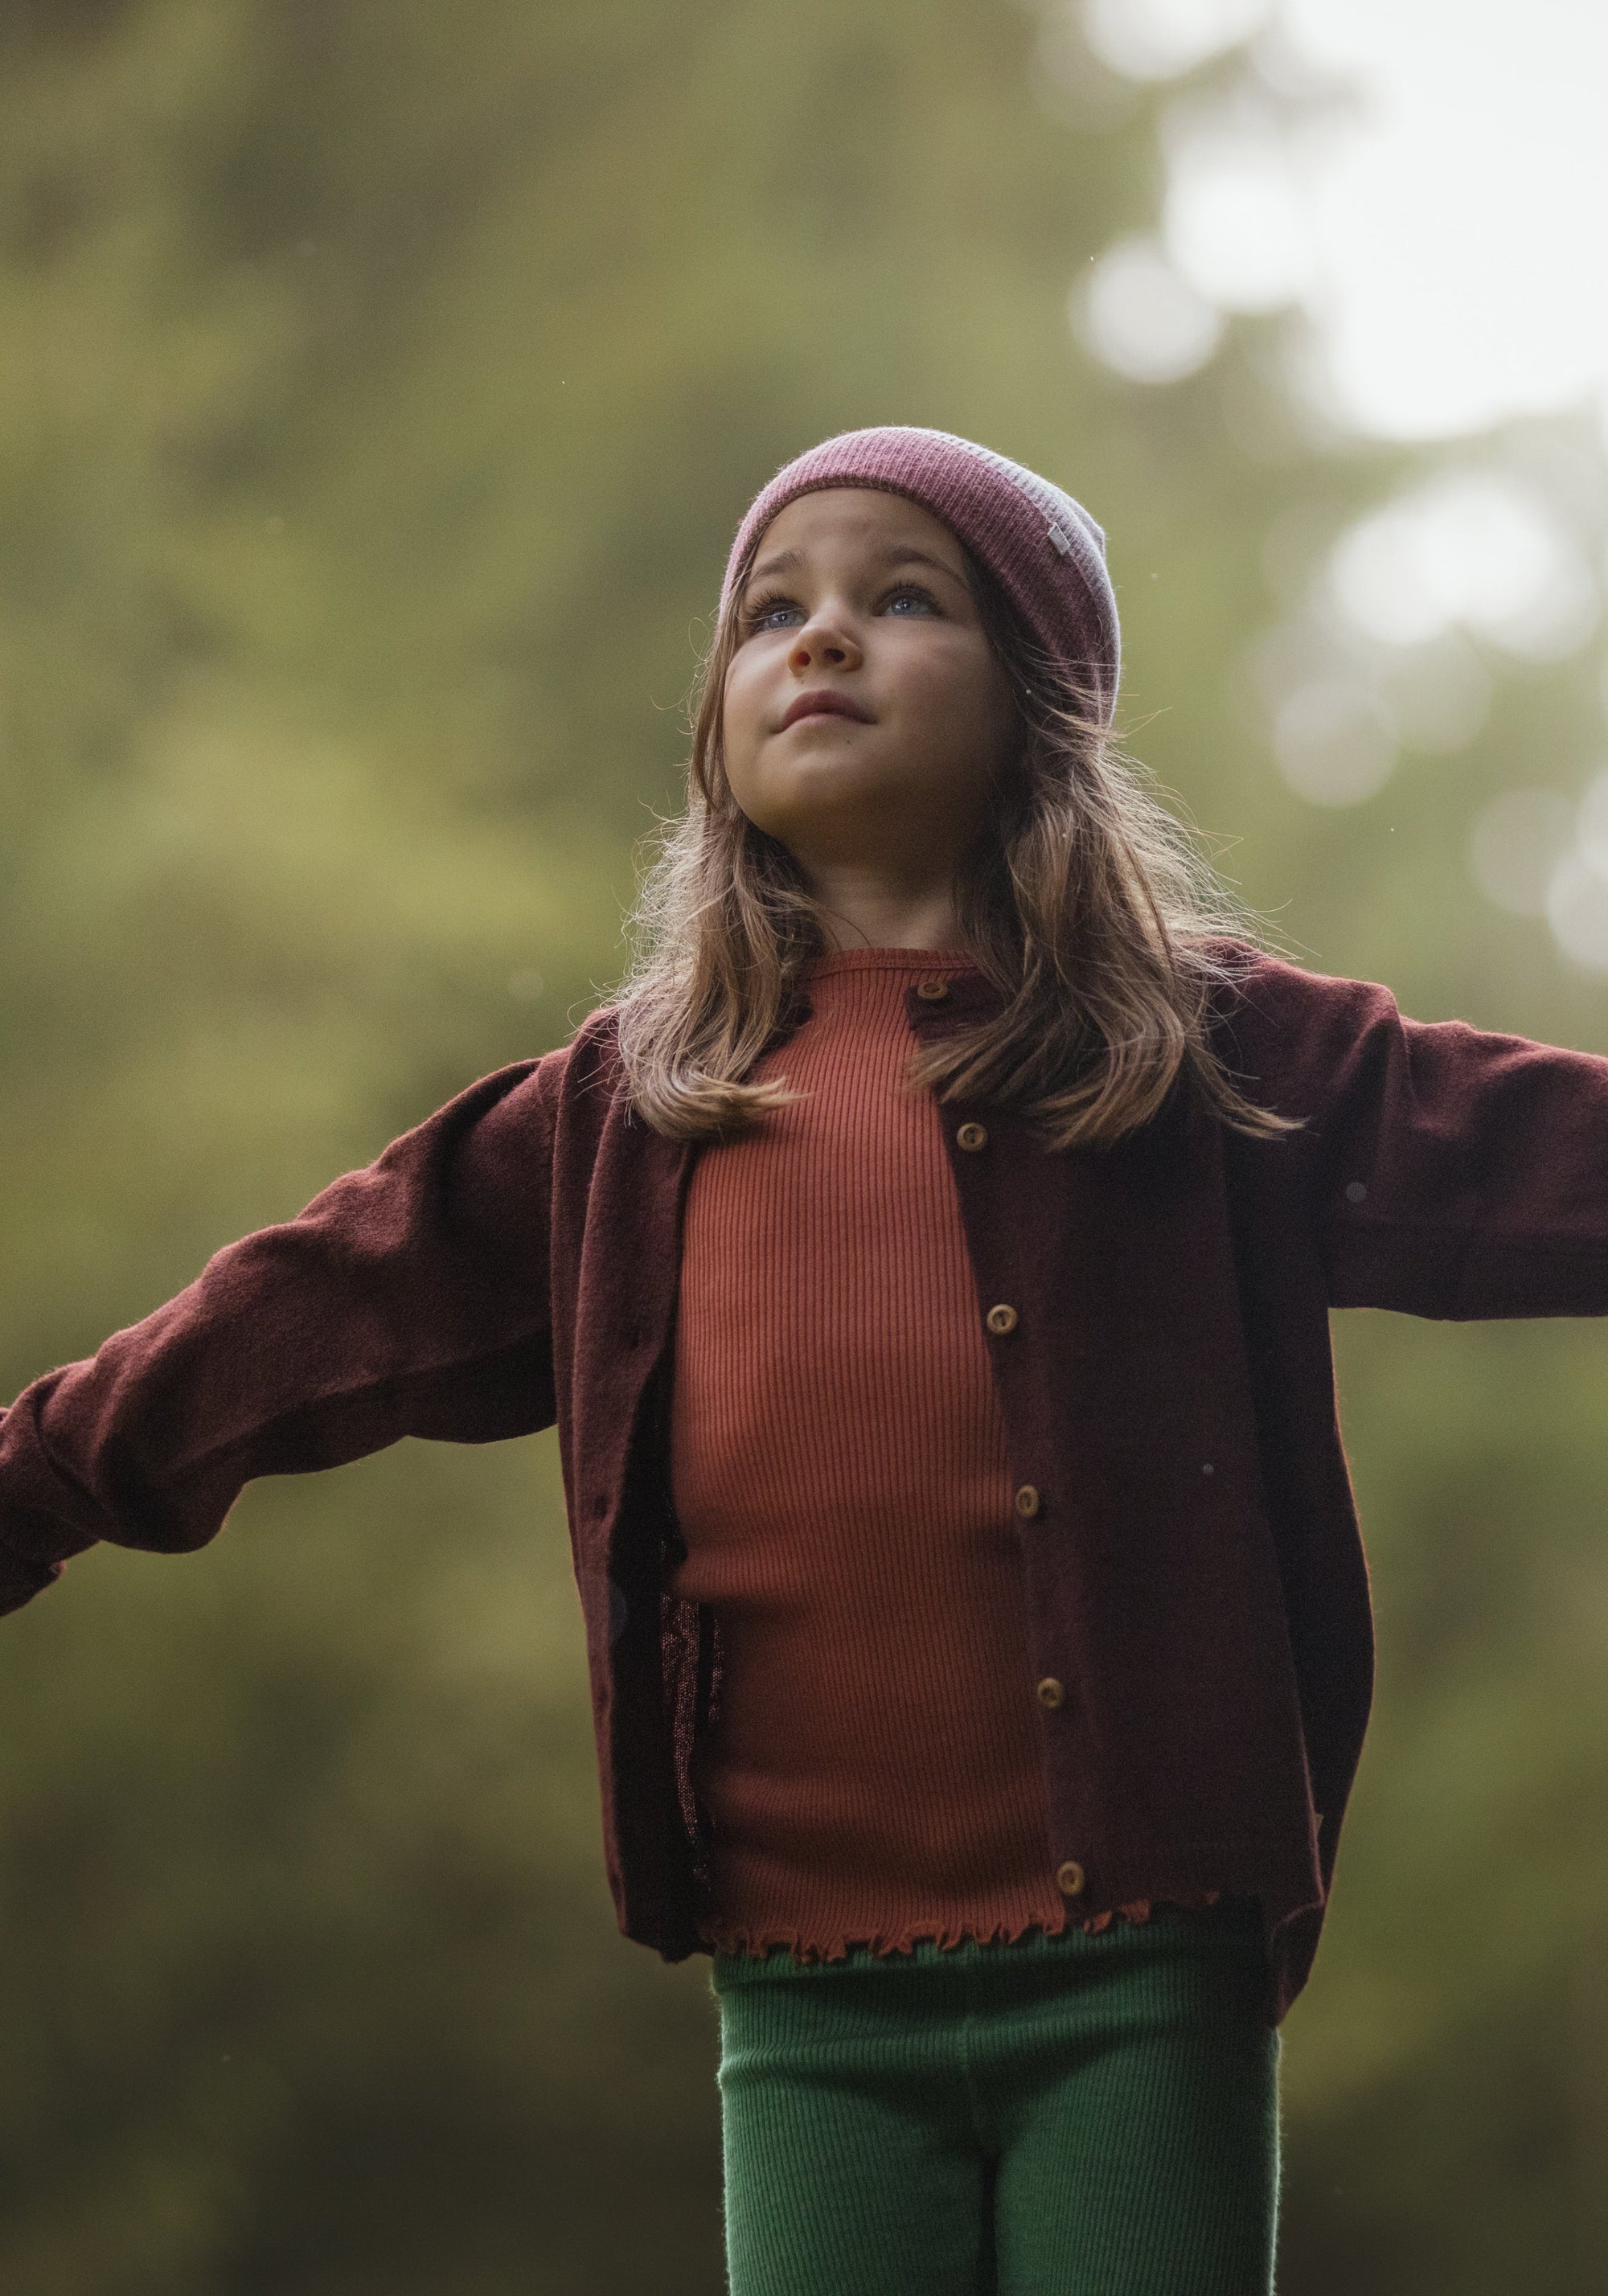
1061 541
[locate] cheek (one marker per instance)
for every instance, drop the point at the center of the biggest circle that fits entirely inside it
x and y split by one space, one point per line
1003 728
963 708
983 698
736 730
741 707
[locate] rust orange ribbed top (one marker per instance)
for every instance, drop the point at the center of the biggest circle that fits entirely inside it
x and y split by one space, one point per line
873 1774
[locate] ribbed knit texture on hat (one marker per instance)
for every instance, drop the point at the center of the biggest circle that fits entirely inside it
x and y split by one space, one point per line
1046 551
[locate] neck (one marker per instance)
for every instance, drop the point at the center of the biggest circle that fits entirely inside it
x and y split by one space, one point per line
861 909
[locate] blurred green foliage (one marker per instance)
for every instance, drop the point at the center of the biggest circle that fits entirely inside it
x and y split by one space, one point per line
379 389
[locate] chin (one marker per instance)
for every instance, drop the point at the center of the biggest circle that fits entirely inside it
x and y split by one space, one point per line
808 794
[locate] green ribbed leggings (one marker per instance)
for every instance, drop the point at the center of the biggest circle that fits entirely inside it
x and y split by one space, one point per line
1069 2115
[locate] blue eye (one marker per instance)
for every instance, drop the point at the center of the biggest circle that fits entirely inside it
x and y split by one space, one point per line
769 612
777 612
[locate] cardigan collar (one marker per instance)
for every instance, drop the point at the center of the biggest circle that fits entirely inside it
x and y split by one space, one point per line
948 994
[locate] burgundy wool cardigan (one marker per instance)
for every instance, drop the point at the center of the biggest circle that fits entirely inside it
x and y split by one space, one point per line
1193 1575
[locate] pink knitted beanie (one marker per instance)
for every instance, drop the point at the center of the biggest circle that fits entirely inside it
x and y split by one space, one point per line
1046 551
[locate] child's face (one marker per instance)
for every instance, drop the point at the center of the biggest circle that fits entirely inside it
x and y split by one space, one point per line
862 597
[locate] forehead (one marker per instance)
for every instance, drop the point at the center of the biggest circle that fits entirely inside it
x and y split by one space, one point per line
853 518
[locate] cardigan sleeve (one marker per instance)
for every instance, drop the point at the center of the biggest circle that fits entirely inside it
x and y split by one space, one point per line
410 1297
1449 1171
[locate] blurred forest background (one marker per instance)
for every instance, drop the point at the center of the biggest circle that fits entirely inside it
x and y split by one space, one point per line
379 388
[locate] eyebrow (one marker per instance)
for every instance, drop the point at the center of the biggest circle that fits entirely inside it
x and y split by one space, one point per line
891 553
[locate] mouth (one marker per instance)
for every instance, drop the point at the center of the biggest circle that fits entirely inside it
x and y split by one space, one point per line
824 703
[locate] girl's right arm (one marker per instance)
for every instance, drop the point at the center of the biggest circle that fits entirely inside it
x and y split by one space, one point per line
410 1297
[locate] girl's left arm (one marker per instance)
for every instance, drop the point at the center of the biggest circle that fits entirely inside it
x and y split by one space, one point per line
410 1297
1451 1171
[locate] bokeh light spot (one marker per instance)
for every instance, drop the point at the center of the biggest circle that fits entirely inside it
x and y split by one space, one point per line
1577 896
1333 742
1479 548
1516 844
1234 222
1159 39
1438 694
1140 318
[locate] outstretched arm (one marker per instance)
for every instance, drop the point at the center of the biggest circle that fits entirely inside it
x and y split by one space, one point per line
1451 1172
410 1297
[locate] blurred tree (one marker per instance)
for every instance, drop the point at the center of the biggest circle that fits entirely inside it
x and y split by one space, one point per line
381 389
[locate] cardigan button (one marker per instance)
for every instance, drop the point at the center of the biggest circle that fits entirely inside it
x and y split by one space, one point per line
933 992
1001 1319
1027 1501
1050 1691
973 1135
1069 1878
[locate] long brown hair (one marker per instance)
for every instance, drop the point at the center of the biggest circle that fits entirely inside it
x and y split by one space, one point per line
1088 906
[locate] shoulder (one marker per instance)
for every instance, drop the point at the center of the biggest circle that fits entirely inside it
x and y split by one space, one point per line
586 1091
1251 987
591 1058
588 1068
534 1095
1287 1034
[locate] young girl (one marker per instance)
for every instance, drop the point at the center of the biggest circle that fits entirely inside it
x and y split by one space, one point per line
927 1261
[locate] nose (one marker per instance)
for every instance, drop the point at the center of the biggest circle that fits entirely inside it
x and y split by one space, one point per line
823 642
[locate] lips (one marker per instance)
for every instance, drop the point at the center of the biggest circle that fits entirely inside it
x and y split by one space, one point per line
824 703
